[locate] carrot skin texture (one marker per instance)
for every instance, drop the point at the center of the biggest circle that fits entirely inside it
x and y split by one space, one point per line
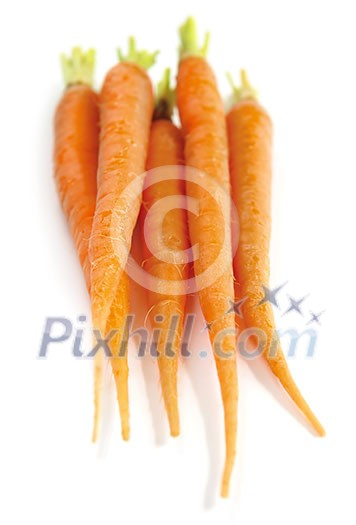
203 123
75 153
250 145
166 149
75 167
119 362
126 107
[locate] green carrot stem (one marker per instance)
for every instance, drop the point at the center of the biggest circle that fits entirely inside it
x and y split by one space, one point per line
165 97
189 40
141 58
243 92
78 68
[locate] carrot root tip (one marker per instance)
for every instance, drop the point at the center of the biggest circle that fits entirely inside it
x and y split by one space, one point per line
94 436
125 434
224 491
174 428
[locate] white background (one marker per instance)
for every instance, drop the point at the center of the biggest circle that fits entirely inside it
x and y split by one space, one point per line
301 56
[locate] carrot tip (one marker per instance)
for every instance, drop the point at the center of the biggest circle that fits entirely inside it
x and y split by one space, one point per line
95 432
98 383
125 433
78 68
174 425
243 92
318 427
225 483
225 490
142 58
281 371
321 432
165 97
189 40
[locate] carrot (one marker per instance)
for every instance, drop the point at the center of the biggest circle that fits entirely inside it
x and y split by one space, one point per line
119 311
126 107
250 139
166 308
75 168
206 149
76 144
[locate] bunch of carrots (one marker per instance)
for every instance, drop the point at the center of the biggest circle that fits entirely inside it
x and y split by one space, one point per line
107 145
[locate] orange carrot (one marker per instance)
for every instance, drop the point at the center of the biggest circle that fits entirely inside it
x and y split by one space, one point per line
166 308
76 150
126 106
250 139
203 123
76 160
119 311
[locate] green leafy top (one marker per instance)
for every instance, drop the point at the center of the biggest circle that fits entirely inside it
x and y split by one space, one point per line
243 92
78 68
141 58
189 40
164 98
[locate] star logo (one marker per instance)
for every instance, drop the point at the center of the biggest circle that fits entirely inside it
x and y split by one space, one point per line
295 305
270 295
235 306
315 318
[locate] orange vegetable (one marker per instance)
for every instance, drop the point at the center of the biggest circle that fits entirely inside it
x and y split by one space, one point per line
76 144
206 149
126 107
120 309
166 308
250 139
75 168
